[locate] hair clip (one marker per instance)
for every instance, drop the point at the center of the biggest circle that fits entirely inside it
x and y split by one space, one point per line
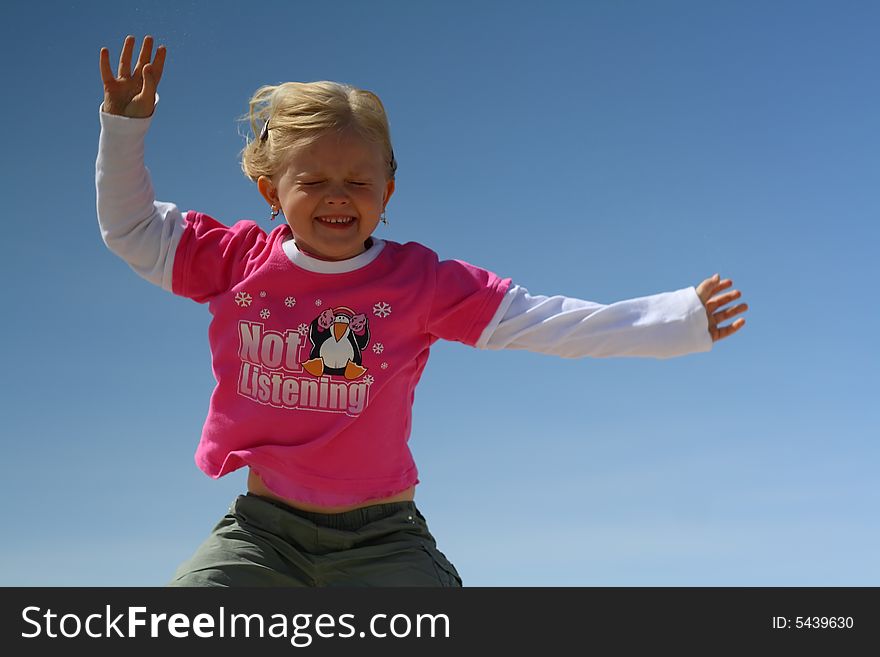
264 133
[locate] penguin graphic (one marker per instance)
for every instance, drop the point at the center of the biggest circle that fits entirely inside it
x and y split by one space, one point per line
338 337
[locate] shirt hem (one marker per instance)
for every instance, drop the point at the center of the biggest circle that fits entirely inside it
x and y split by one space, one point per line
314 489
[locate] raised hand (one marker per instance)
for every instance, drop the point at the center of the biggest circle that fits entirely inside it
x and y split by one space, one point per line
707 291
130 93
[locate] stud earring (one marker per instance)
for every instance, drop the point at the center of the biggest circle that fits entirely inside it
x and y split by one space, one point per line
274 213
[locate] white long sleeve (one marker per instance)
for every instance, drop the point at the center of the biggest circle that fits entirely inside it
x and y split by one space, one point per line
658 326
145 233
136 227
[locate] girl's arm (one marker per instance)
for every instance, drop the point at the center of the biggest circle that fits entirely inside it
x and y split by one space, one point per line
133 225
658 326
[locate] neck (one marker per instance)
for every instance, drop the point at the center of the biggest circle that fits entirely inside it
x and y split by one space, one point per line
367 245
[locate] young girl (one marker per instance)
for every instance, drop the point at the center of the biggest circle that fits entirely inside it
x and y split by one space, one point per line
320 332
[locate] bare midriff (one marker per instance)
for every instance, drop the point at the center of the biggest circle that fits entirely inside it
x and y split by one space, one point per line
257 487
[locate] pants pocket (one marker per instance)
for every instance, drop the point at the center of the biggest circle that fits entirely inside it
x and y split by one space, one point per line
446 572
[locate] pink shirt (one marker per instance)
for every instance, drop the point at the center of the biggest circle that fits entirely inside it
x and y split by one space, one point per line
316 372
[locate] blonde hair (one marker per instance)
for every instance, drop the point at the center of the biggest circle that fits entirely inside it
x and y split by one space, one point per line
300 112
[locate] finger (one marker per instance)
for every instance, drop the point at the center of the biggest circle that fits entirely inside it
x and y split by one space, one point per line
715 300
144 56
712 285
722 300
106 71
723 284
720 285
727 331
704 288
730 312
158 66
125 58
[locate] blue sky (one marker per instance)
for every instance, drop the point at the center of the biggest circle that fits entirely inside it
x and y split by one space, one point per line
601 150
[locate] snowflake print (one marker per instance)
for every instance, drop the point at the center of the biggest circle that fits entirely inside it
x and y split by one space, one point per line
384 366
378 348
318 302
382 309
264 313
302 329
243 299
290 302
263 293
368 380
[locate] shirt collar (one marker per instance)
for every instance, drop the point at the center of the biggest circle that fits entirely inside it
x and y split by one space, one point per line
318 266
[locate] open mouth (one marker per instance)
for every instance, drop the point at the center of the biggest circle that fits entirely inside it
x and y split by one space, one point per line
336 221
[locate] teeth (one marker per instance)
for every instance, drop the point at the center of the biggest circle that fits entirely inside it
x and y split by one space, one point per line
336 220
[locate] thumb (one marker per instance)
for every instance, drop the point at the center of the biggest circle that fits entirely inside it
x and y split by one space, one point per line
149 80
704 289
146 99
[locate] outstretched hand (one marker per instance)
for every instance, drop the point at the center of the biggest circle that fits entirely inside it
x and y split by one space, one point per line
128 93
712 301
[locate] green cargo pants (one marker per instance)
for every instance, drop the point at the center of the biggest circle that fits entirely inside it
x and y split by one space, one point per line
261 542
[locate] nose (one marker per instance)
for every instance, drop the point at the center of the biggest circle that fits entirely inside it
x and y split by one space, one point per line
336 196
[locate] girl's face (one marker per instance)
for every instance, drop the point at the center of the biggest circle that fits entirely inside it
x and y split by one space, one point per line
332 193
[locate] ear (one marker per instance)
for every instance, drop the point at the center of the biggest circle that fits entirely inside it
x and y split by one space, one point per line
267 189
389 190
